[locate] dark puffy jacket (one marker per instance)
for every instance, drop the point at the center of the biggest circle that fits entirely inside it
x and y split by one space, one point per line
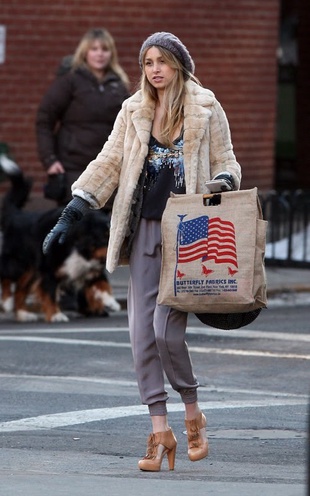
76 116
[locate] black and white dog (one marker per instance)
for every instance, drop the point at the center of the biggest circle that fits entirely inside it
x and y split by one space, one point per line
78 265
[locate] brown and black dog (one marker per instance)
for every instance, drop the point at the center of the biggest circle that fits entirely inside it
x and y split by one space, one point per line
78 265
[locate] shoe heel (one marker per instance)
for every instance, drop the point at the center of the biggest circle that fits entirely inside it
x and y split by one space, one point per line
171 457
159 445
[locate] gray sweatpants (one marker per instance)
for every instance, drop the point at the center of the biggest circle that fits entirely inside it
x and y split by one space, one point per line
157 332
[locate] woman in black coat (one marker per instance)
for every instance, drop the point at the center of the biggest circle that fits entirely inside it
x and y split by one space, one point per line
77 113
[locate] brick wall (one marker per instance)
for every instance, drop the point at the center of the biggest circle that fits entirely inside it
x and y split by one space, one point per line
232 42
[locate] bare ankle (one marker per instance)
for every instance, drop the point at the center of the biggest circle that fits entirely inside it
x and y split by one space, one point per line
159 423
192 411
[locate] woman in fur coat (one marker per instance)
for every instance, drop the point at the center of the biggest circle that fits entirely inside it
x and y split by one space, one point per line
171 135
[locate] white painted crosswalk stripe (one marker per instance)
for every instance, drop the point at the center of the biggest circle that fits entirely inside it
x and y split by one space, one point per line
205 331
65 419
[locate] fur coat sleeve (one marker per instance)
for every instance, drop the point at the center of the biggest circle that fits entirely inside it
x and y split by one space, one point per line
207 151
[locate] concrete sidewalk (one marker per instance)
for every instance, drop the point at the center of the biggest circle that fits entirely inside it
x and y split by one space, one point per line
283 279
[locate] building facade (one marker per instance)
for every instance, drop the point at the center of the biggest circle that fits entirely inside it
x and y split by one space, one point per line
234 44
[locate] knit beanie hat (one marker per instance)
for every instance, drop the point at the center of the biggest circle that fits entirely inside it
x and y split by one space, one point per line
171 43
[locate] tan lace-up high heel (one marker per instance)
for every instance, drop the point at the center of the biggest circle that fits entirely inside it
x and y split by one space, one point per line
197 438
159 445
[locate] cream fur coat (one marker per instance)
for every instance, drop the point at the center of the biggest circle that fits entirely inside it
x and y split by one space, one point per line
207 152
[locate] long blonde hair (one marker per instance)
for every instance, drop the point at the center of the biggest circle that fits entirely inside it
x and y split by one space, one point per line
107 41
174 94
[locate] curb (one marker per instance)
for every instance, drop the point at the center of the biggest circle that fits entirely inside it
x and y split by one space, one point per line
288 289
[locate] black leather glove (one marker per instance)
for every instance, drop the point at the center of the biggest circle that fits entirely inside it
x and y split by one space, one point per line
72 213
228 178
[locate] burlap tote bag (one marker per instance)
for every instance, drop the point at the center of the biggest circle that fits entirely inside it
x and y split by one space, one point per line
213 249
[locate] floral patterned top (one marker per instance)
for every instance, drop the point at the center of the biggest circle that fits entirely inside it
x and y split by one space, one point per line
165 174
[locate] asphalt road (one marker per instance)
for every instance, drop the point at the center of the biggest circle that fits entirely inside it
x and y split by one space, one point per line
71 422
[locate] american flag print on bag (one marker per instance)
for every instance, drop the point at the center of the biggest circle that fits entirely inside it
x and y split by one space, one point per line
206 238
